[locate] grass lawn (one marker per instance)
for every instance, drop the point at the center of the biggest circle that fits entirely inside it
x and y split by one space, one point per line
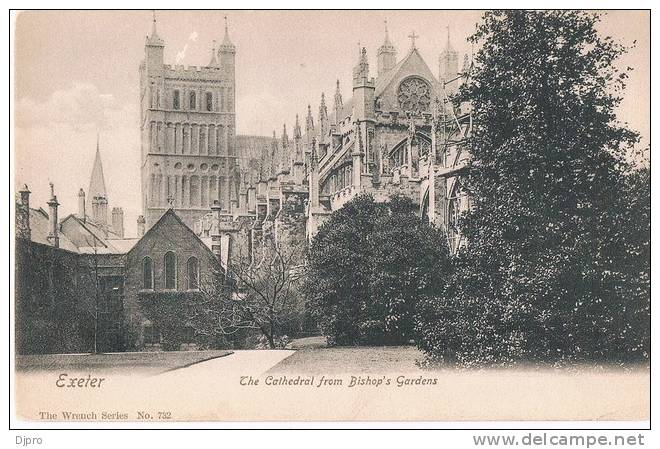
121 362
337 360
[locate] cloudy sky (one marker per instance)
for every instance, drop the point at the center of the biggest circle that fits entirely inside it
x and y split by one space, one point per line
76 75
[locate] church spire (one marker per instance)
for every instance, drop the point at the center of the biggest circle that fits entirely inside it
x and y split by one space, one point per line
323 118
387 36
97 193
284 151
448 47
361 70
297 142
214 59
448 61
97 180
227 52
226 42
339 104
309 124
386 54
153 39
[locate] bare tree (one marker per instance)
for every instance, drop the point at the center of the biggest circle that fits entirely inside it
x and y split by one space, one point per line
259 296
97 293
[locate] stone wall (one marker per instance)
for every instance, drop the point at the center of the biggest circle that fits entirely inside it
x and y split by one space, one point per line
51 316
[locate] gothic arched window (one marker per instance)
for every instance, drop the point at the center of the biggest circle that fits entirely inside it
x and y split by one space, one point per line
209 101
147 273
192 273
454 209
170 271
176 101
193 100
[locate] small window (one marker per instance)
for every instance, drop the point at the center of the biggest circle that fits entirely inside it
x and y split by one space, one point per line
176 102
147 274
170 271
193 100
192 270
209 101
151 334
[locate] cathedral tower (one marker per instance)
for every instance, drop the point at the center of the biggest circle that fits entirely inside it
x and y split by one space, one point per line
448 62
386 54
187 125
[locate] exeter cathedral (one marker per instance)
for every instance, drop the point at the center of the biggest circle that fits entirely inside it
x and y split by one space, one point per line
394 130
211 197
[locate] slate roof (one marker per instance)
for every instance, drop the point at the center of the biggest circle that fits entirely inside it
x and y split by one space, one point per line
39 229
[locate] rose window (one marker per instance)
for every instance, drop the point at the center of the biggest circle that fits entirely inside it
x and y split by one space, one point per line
414 95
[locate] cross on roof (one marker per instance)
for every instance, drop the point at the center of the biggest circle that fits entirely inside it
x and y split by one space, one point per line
412 37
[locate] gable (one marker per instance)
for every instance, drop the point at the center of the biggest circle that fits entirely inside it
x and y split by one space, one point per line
387 85
170 233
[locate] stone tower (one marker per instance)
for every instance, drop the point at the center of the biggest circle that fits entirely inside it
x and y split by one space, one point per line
187 126
448 64
386 54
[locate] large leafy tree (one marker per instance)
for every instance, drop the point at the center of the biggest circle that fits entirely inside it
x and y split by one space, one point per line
551 228
369 265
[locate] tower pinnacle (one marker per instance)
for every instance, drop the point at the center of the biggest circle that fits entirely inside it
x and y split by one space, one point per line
386 54
153 39
226 42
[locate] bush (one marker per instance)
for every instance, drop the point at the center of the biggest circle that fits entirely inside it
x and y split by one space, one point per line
369 264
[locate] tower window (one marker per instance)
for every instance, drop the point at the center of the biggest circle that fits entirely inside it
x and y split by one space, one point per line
192 269
193 100
170 271
147 274
209 101
176 101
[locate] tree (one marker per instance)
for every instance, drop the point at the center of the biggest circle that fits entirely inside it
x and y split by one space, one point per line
369 264
542 277
260 296
96 280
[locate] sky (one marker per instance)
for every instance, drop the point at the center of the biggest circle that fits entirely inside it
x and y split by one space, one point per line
76 77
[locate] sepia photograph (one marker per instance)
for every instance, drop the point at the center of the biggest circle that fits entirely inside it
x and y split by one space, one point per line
331 216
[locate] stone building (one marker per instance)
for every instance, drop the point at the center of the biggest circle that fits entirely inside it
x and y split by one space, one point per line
399 132
190 154
70 271
211 198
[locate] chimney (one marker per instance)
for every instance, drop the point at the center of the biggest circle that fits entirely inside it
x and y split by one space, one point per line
140 225
118 221
81 204
23 214
53 231
100 211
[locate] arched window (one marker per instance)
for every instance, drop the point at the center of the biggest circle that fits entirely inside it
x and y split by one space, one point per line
176 101
192 273
170 271
209 101
454 209
147 273
193 100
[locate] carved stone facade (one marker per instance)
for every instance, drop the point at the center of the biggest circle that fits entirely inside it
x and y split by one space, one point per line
398 134
188 122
